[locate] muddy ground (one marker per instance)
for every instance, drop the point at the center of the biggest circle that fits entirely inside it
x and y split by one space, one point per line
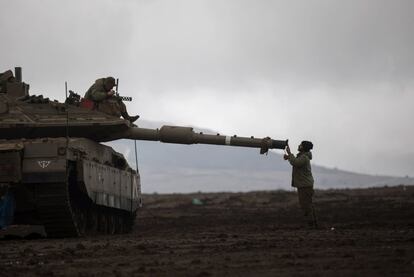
367 232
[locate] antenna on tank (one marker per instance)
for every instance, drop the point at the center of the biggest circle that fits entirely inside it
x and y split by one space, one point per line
136 168
136 155
67 114
67 129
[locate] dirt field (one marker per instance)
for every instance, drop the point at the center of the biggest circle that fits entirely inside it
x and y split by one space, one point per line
366 232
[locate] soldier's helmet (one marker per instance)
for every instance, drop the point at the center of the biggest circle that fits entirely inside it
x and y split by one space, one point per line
109 82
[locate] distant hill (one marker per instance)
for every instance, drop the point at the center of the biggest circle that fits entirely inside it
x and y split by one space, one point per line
189 168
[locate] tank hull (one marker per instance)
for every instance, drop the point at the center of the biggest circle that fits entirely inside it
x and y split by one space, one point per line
73 186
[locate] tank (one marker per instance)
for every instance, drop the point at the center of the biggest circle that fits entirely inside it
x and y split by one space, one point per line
59 174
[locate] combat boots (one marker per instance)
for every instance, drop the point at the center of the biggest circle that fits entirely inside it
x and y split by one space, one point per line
312 224
131 119
311 220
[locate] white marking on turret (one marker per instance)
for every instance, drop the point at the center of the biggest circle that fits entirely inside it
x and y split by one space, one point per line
228 140
43 164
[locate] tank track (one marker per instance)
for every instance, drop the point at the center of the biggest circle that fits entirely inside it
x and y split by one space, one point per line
66 212
53 208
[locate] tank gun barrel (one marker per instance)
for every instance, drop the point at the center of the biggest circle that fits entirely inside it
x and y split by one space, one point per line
186 135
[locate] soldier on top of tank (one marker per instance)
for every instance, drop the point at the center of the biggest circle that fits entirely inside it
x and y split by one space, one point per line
102 93
302 179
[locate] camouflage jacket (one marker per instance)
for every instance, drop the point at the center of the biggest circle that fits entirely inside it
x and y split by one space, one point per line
97 91
301 171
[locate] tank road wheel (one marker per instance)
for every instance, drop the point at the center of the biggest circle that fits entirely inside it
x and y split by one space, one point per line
124 222
102 222
116 222
93 221
111 223
128 222
120 223
81 221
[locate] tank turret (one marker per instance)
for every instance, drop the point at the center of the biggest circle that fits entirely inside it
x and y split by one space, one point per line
52 162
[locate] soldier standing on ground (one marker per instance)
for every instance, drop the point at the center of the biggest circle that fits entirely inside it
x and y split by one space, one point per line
102 93
302 179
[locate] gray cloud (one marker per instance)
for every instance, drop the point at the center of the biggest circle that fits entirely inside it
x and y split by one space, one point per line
307 43
337 72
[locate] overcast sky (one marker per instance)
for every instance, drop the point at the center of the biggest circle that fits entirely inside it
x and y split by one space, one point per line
338 73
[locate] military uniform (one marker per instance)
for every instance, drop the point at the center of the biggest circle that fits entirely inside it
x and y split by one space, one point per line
112 105
302 179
